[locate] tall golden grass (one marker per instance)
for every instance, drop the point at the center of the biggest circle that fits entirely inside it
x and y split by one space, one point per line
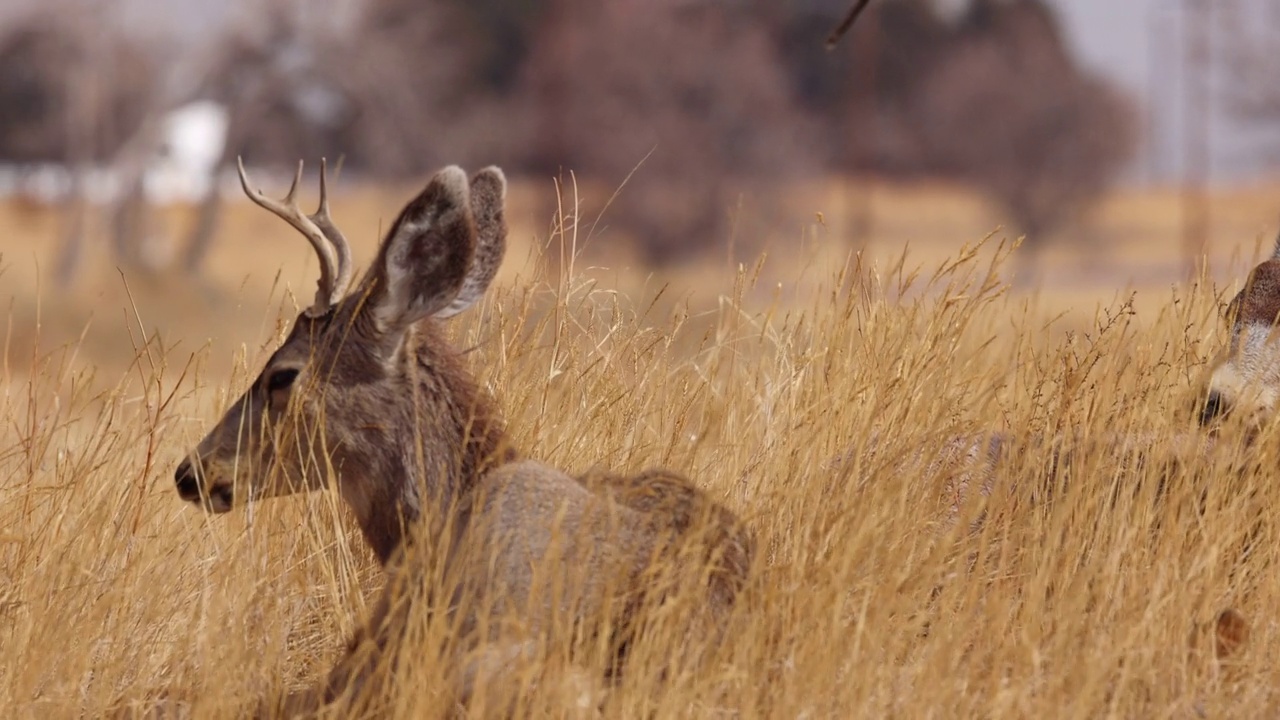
117 598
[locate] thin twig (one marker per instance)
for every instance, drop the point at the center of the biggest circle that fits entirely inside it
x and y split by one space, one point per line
834 38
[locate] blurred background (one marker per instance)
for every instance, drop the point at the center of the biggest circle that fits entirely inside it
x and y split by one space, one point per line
1133 144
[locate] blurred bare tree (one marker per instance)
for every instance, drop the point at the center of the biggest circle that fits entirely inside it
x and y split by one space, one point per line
1011 113
67 97
989 96
394 89
300 80
716 105
70 96
386 83
691 95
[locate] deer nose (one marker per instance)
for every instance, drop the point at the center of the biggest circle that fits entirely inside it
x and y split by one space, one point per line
1214 407
188 481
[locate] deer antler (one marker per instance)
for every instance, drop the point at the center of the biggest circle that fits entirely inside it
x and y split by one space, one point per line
342 250
319 230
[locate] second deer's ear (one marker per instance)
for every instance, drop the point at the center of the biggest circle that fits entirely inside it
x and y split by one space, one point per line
425 258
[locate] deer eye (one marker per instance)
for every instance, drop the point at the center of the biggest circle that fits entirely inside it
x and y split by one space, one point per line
281 379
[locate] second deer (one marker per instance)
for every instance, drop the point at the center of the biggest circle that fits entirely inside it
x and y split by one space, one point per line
1246 379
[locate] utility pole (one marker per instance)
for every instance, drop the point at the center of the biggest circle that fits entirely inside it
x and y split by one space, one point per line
865 76
1197 37
1160 99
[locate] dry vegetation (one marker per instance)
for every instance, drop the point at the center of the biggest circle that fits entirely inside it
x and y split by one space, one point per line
115 595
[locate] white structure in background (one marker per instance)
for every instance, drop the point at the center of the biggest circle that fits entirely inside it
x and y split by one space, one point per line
192 140
181 168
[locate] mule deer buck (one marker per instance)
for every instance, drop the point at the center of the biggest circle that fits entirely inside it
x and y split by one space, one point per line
367 392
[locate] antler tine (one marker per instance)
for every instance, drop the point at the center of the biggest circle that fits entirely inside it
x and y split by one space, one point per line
326 289
292 197
342 249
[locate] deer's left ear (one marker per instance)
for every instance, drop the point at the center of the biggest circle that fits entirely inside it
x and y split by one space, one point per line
425 258
488 201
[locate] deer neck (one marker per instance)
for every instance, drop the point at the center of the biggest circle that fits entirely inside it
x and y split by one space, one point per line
442 433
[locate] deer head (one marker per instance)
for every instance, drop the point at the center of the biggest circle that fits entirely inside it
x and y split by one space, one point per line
365 389
1246 379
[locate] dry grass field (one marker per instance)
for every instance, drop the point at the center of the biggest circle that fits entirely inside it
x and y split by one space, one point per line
115 597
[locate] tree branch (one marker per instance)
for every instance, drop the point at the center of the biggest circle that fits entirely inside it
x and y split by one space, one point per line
834 38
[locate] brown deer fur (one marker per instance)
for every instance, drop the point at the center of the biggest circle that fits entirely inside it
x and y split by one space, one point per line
1246 379
366 391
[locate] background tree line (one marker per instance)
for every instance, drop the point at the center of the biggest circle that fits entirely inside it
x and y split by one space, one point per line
709 101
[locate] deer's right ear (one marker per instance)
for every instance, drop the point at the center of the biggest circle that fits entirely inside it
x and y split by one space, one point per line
426 255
